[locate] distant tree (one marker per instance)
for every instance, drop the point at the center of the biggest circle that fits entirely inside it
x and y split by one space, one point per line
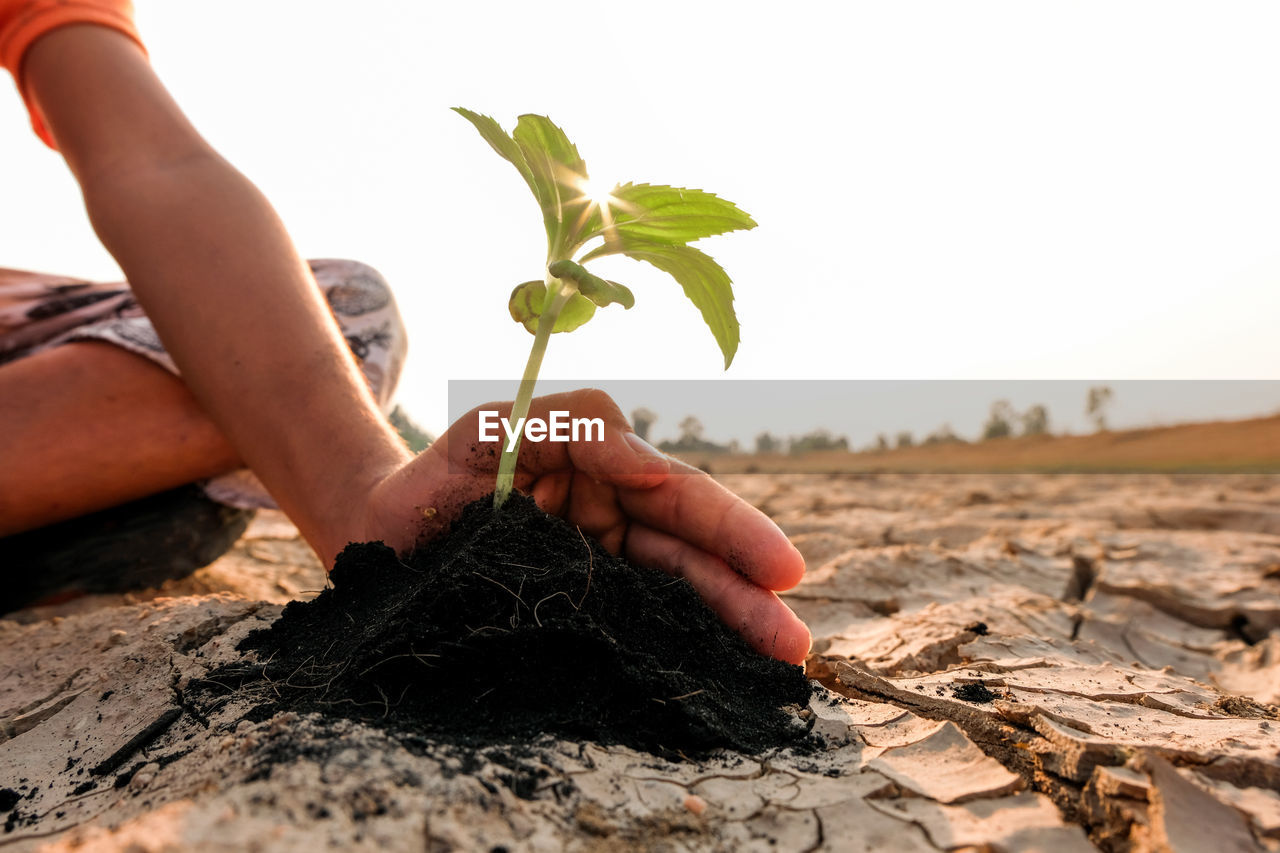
882 443
1035 421
819 439
414 436
691 430
1096 403
1000 421
691 440
642 420
905 440
943 435
766 443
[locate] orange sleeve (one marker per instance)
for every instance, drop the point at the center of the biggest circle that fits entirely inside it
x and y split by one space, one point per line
24 21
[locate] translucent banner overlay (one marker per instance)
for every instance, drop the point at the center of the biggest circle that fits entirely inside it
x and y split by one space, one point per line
908 426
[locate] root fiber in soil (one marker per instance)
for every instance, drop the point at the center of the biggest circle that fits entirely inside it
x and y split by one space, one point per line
513 626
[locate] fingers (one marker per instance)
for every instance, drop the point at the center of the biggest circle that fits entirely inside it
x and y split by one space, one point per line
691 506
594 508
606 449
757 614
551 492
590 505
563 477
602 444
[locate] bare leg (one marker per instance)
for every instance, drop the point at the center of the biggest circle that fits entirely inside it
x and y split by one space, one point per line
87 426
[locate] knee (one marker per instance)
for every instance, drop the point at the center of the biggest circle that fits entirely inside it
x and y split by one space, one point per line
362 302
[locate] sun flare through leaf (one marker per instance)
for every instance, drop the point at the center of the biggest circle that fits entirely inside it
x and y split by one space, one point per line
599 193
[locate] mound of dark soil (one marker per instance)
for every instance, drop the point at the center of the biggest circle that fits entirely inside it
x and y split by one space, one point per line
516 625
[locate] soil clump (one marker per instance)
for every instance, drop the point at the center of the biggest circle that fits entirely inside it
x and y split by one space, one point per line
513 626
974 691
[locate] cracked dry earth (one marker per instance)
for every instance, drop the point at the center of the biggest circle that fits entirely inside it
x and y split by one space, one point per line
1010 663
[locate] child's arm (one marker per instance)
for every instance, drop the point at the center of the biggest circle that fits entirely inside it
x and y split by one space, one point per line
220 278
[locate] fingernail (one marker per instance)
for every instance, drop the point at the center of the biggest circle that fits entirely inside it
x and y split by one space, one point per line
655 461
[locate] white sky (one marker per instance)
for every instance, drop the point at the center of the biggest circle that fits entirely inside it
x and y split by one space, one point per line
988 190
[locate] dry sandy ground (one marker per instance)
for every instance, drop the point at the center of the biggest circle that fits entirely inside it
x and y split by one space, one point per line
1016 662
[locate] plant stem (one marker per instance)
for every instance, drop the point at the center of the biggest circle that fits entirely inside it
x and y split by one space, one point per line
559 295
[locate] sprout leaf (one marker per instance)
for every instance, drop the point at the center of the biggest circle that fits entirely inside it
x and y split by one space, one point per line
600 291
672 215
527 302
704 281
558 173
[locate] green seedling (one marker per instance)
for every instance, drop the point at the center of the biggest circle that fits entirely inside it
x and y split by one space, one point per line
645 222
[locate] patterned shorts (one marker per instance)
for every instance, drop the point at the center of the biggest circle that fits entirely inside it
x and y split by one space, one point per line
38 312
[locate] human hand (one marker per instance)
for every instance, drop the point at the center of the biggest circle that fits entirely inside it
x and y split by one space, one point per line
633 499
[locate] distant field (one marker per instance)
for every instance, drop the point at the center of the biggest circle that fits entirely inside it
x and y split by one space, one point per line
1251 446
